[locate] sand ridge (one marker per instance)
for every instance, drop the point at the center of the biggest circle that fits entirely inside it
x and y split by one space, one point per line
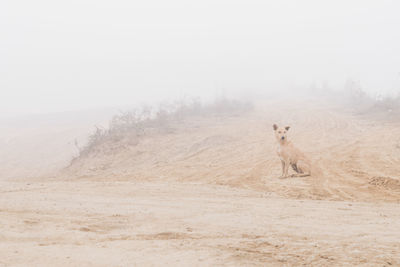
351 154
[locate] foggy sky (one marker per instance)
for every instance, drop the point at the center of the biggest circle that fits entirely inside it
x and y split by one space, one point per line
65 55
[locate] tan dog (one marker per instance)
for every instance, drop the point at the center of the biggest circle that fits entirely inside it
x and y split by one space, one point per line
290 155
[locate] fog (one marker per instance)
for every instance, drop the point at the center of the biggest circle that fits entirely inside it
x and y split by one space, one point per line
199 133
59 56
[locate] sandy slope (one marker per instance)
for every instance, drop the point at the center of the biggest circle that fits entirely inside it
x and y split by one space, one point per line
357 159
208 193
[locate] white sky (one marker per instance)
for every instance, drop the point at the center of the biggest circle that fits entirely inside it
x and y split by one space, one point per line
64 55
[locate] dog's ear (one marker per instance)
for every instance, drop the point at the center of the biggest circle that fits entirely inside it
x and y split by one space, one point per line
275 127
287 128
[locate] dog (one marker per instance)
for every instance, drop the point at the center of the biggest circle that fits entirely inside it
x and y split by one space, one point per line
289 155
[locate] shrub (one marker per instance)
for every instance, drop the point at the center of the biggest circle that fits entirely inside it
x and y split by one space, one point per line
128 127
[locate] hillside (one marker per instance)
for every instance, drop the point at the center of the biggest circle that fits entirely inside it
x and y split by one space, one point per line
358 159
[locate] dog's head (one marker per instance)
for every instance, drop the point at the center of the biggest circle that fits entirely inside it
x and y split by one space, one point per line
281 133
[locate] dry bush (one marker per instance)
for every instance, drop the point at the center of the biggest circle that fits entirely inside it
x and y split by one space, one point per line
354 98
127 128
389 104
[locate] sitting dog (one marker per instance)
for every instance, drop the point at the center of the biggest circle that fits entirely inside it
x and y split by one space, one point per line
290 155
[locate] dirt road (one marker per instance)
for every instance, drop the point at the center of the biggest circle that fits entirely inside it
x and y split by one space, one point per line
128 224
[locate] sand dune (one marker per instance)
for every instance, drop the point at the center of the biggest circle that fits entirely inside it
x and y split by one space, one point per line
208 193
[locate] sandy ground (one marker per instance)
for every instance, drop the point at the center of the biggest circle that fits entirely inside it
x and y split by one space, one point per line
208 194
128 224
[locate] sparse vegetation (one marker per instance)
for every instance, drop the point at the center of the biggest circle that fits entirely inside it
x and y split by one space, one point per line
127 128
389 104
367 104
353 95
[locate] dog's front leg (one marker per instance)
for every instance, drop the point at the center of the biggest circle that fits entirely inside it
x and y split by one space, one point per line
283 168
286 170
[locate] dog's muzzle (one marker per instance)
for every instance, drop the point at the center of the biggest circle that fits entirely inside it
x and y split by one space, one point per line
283 138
